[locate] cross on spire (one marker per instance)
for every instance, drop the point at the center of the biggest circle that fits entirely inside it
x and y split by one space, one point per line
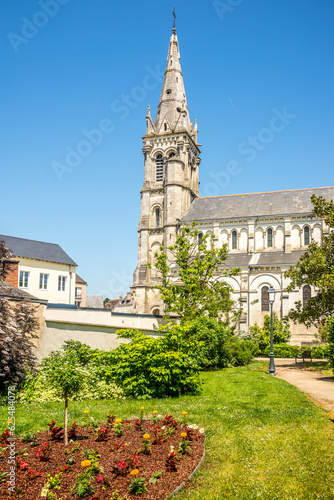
174 19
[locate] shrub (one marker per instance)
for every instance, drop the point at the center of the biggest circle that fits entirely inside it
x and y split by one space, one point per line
320 351
261 336
331 342
155 368
214 344
283 351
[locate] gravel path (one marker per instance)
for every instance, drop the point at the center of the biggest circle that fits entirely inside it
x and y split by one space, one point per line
316 385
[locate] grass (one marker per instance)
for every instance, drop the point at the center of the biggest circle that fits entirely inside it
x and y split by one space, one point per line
321 367
265 439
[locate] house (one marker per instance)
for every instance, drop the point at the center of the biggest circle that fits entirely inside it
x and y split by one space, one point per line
42 269
80 291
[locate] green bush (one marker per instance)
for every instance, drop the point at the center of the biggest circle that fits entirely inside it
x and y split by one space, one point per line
95 366
283 351
320 351
155 368
331 342
215 346
261 336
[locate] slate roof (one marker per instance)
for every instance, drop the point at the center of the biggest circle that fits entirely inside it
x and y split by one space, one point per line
263 259
295 201
39 250
11 292
79 280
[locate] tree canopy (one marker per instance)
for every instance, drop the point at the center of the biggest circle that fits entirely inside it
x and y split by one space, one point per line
192 278
316 268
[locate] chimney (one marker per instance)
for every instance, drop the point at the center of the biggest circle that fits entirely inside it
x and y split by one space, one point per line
11 272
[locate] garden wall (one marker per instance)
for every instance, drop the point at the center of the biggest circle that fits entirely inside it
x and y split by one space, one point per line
95 327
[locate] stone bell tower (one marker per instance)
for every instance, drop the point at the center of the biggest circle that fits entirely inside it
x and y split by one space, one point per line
171 156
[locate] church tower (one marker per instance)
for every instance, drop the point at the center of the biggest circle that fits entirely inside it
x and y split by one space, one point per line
171 162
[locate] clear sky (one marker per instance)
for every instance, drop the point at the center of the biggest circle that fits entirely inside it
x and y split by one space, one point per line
259 78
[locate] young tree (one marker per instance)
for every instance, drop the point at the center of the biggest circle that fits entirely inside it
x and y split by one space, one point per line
261 336
316 268
18 326
66 374
192 283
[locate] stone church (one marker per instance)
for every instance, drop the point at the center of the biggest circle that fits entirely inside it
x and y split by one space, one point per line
265 232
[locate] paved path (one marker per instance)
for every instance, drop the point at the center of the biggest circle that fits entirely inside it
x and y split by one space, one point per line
316 385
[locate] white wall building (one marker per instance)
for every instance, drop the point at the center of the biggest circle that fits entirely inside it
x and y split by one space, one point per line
43 269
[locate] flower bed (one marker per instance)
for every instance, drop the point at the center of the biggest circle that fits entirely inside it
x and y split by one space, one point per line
145 458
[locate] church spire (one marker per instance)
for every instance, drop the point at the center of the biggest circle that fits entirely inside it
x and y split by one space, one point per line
173 114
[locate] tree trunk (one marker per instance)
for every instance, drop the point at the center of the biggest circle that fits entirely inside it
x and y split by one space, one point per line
65 430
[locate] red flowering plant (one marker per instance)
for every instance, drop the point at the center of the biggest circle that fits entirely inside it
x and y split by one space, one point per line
33 475
121 468
117 447
138 426
72 432
23 465
102 434
5 436
171 461
159 436
56 432
44 452
170 421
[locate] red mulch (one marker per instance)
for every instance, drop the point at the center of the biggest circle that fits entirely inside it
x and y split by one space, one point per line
148 464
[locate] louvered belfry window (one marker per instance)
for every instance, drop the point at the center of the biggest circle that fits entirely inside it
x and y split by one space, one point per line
160 169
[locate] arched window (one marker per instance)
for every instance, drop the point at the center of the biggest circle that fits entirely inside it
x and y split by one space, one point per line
234 240
264 299
160 169
171 155
157 217
306 235
200 238
270 237
156 312
306 294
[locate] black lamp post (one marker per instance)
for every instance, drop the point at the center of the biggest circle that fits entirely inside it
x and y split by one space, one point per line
271 295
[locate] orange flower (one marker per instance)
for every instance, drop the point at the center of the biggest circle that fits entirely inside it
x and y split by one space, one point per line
86 412
184 413
146 436
155 412
142 408
118 421
86 463
184 434
134 472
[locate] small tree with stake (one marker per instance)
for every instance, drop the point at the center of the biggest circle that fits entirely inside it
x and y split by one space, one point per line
66 375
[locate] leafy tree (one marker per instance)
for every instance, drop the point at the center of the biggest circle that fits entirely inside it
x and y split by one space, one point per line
316 268
66 374
331 342
18 327
191 278
261 336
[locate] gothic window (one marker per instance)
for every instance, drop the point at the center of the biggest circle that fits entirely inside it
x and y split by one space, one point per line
265 299
157 217
234 240
270 237
306 235
306 294
200 238
160 169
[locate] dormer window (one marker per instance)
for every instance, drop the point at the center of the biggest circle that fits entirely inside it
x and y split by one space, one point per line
165 127
160 169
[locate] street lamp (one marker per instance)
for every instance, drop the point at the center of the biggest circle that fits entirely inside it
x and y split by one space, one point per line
271 295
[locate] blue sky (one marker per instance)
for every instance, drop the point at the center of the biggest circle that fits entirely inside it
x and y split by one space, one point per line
259 79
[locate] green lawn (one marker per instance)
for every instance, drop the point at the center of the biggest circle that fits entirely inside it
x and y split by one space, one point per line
321 367
265 439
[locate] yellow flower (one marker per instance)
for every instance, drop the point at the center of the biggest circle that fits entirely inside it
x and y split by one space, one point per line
155 412
118 421
184 434
184 413
146 436
134 472
142 408
86 412
86 463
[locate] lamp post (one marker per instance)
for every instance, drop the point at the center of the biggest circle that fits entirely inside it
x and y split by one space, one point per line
271 296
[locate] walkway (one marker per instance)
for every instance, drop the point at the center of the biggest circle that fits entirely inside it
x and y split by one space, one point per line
316 385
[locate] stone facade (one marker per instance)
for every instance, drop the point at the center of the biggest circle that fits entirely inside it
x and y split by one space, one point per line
265 232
